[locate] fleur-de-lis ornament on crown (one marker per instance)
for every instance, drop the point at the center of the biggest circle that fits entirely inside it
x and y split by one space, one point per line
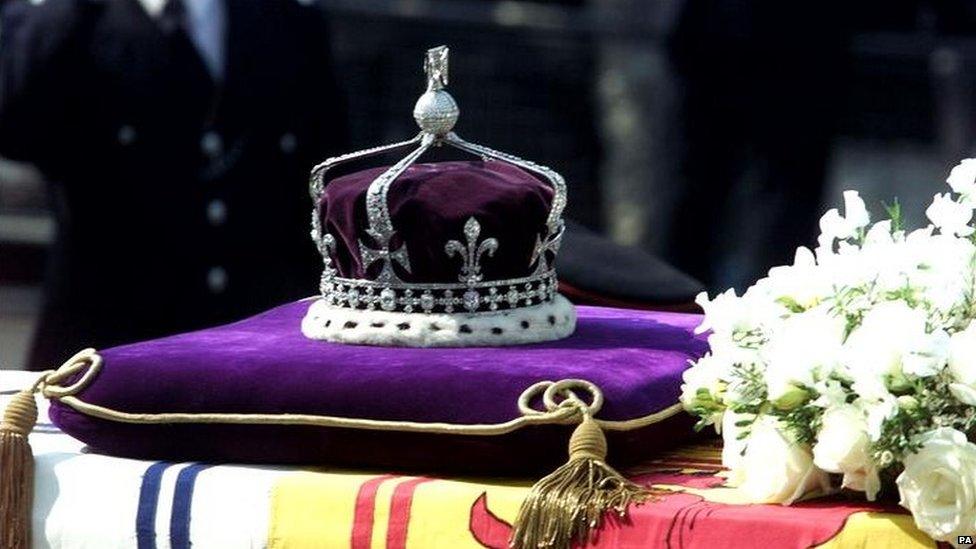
471 255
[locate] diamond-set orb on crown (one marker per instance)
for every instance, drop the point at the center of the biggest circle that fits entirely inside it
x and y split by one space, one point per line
436 112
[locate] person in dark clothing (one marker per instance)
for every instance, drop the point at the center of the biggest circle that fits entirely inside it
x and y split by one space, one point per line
177 135
763 89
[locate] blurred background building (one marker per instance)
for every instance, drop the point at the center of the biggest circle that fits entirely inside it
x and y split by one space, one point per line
712 133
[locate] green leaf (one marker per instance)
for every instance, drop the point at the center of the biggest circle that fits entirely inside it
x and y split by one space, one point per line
894 213
790 304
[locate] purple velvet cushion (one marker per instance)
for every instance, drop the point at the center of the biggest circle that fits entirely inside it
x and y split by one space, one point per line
265 365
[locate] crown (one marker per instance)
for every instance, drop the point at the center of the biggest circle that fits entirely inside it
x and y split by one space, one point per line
439 254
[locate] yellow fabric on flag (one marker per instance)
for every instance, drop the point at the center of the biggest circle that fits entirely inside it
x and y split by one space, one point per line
869 530
441 514
312 510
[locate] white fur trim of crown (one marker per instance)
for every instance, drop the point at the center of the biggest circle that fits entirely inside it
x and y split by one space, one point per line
547 321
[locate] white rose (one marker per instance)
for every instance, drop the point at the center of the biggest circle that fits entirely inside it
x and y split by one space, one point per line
938 485
732 446
962 178
843 447
775 469
949 216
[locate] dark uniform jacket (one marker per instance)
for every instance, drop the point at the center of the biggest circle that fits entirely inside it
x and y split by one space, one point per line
181 202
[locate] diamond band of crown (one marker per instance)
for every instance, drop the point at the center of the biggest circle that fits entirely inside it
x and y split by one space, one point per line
436 112
435 298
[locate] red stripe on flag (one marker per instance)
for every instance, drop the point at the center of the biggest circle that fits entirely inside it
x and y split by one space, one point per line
396 533
362 523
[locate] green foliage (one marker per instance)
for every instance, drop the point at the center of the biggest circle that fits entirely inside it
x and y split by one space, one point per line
705 406
932 406
851 302
802 423
749 385
894 213
898 437
790 304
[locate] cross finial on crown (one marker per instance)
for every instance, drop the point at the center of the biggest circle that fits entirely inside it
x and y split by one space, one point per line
435 66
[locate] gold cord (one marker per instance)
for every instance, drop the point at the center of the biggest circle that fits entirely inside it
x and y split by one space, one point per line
568 410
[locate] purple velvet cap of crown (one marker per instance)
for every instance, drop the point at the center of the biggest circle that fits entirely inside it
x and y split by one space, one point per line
429 204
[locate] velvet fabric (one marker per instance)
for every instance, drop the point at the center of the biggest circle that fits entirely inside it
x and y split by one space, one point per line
429 204
265 365
594 270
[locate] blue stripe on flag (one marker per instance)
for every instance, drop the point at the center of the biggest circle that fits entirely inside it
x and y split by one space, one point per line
148 502
179 522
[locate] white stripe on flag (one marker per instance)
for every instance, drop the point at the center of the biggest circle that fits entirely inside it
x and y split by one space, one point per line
86 501
231 507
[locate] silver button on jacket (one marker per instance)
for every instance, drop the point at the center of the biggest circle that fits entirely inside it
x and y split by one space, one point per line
211 144
217 280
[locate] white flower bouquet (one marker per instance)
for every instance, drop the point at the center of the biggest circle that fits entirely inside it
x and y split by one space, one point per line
854 367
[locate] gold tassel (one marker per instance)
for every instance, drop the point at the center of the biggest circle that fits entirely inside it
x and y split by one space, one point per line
566 508
17 471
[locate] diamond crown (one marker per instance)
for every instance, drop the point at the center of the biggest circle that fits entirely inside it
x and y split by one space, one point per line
436 113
